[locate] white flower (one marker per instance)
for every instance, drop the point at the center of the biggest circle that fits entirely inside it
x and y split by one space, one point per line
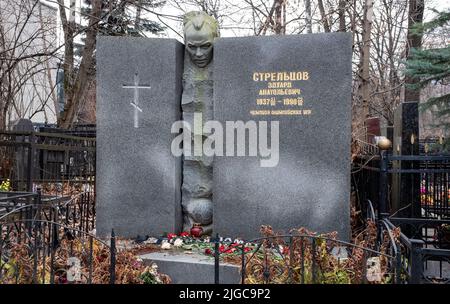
151 240
165 245
178 243
154 269
374 270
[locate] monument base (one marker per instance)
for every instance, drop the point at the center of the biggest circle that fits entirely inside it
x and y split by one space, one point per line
192 268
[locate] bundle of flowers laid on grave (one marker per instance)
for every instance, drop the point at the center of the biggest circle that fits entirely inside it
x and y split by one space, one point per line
302 256
307 257
205 244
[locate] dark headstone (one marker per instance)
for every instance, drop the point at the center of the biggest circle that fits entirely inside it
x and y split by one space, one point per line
405 189
138 178
310 186
23 125
24 175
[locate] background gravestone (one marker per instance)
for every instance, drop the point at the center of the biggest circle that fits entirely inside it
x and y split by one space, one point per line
405 187
310 187
23 174
138 178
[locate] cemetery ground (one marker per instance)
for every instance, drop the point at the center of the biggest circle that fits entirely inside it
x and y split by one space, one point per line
48 233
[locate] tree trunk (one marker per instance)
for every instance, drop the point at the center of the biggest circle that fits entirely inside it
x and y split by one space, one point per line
137 22
68 29
326 25
415 15
80 85
278 28
341 11
308 16
364 89
47 66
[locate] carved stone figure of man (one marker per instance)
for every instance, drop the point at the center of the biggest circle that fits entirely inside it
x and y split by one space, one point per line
200 30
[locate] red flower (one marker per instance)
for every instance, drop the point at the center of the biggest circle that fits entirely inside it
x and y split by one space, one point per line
285 250
247 249
171 236
208 251
63 280
184 234
230 250
221 248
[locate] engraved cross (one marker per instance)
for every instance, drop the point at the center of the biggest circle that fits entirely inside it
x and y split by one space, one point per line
135 102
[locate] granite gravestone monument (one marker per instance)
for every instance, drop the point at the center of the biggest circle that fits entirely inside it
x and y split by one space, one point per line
301 82
138 179
304 82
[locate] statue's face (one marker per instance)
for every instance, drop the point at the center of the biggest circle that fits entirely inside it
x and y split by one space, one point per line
199 45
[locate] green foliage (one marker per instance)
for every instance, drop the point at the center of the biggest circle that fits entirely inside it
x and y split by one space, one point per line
148 277
432 67
440 21
119 17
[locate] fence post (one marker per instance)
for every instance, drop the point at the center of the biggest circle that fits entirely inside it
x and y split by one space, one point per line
39 202
36 222
55 242
30 164
398 265
216 259
382 208
112 267
416 267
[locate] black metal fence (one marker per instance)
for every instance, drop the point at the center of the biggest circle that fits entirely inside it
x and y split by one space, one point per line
303 258
424 258
48 239
419 216
45 239
366 181
306 259
412 186
28 158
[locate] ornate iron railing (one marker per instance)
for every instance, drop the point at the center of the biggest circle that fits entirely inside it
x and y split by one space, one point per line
49 240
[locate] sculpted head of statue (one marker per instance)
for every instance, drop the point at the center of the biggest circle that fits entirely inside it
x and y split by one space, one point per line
200 29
